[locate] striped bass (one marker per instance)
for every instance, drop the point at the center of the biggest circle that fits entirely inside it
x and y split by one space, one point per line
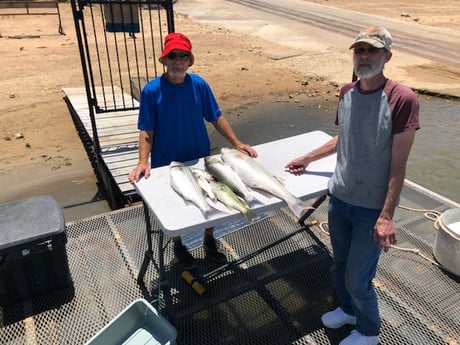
225 174
255 175
184 183
198 172
204 178
226 196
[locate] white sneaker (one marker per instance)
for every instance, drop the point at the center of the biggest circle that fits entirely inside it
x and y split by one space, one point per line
356 338
337 318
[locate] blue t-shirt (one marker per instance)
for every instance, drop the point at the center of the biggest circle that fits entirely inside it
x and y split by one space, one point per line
176 113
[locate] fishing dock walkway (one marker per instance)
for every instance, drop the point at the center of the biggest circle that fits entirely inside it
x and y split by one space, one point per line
118 138
275 298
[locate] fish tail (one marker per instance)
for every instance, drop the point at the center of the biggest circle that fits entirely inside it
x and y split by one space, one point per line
251 199
206 212
298 207
250 215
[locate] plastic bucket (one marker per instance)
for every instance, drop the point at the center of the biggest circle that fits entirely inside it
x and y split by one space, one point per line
447 243
139 323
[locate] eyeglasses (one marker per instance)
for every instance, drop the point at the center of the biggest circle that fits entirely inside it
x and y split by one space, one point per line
369 50
181 56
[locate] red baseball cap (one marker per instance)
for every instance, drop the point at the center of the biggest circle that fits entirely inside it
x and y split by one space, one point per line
177 41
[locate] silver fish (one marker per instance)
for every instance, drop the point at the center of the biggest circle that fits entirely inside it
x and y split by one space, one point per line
226 196
225 174
204 178
256 176
184 183
198 172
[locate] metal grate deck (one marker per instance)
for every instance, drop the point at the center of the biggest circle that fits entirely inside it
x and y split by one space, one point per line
276 297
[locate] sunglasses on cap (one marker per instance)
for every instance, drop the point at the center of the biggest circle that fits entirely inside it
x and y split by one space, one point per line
181 56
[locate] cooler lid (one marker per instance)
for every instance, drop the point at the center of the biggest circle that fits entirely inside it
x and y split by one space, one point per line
29 219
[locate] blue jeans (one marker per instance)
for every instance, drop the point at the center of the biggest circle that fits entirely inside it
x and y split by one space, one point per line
355 258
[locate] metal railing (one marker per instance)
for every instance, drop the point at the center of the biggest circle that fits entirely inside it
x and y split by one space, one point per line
119 44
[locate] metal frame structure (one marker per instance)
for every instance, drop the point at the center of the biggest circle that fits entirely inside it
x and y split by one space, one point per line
277 297
198 282
119 43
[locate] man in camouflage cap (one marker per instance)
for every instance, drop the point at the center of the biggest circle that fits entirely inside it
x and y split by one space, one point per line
377 119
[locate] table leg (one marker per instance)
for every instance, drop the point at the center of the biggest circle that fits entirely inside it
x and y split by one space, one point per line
148 257
163 283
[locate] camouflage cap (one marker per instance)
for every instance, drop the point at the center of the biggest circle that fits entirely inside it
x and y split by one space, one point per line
376 36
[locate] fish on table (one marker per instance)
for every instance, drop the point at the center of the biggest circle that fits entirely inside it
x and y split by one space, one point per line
225 174
202 173
185 184
255 175
204 178
226 196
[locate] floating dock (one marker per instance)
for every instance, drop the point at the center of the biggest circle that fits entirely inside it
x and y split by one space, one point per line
275 298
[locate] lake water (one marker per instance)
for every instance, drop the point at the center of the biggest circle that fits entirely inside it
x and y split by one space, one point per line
435 157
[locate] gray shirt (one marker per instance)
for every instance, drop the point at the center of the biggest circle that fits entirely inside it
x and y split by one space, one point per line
367 123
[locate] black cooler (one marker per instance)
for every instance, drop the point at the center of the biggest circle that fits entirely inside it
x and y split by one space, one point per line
33 258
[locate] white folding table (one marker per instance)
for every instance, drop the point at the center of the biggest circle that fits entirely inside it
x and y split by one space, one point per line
176 218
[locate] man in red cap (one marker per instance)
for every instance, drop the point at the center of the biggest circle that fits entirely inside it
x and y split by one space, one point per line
377 119
172 114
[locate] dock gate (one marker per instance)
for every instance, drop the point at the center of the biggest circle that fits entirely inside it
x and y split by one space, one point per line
119 44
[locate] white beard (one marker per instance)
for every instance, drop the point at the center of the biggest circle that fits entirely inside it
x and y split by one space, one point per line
367 72
173 75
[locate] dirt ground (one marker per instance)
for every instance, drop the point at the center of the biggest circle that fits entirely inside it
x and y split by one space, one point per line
40 148
440 13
